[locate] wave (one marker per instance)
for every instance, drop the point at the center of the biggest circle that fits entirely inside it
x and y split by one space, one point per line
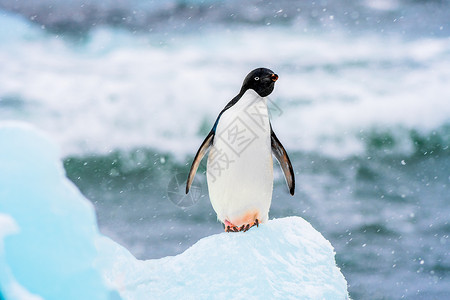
122 90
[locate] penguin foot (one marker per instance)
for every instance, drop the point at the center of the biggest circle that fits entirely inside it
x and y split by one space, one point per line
233 228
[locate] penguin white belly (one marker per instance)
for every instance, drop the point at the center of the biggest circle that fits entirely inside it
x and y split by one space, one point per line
240 166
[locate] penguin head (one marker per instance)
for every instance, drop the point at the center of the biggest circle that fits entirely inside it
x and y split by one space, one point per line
260 80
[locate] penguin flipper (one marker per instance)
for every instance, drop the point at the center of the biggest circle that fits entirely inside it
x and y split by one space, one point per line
198 158
283 158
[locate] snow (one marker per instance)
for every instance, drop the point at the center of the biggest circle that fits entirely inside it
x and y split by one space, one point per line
50 246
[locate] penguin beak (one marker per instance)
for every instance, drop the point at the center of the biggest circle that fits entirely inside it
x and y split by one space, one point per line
274 77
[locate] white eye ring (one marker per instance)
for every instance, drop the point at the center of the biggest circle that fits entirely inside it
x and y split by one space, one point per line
256 78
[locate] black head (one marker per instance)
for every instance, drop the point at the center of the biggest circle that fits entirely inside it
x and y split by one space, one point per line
261 80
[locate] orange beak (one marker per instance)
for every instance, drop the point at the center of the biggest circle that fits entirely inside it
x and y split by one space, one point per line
274 77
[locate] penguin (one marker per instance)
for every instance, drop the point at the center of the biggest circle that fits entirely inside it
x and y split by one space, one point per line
240 166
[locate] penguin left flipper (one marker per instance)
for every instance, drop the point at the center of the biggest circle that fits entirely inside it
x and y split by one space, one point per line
198 158
283 158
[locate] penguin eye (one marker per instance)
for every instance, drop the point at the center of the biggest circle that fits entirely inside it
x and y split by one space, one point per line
256 78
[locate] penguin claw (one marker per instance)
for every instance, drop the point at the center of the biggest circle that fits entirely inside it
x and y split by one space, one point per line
244 228
231 229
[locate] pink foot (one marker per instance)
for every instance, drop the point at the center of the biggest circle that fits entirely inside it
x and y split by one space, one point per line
230 227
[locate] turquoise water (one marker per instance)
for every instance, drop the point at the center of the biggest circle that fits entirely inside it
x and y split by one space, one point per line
130 91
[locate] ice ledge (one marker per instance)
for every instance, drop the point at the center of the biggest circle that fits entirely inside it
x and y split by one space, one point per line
50 247
283 259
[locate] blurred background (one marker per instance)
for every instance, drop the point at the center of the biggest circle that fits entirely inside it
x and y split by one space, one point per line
129 89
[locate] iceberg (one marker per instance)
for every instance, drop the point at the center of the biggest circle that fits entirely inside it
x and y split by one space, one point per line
283 259
51 248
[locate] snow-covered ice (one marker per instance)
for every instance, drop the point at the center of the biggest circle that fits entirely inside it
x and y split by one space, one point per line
50 246
283 259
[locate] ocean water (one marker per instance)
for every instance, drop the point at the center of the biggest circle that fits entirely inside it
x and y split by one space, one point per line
129 89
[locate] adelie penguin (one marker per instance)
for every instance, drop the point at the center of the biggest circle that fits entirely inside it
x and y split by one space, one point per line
240 166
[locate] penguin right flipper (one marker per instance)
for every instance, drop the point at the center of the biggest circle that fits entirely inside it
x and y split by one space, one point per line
198 158
283 158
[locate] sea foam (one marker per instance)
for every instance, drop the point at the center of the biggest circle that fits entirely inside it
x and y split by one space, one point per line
50 246
123 90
